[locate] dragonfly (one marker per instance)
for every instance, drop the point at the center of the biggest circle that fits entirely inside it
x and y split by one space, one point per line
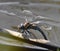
38 20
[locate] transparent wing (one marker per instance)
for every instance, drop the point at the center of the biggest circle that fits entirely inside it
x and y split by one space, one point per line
45 22
30 17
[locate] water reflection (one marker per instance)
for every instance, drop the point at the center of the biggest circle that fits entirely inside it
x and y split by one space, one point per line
8 41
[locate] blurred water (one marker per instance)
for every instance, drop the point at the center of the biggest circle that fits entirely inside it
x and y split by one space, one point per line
49 16
8 3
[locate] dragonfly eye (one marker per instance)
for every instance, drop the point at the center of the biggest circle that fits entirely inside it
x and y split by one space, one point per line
20 25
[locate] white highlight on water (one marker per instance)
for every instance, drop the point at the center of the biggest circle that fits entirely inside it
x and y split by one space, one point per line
8 3
27 11
6 12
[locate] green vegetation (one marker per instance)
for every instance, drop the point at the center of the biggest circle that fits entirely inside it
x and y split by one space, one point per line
58 49
6 37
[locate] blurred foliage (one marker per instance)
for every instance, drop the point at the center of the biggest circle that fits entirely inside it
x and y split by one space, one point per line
58 49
